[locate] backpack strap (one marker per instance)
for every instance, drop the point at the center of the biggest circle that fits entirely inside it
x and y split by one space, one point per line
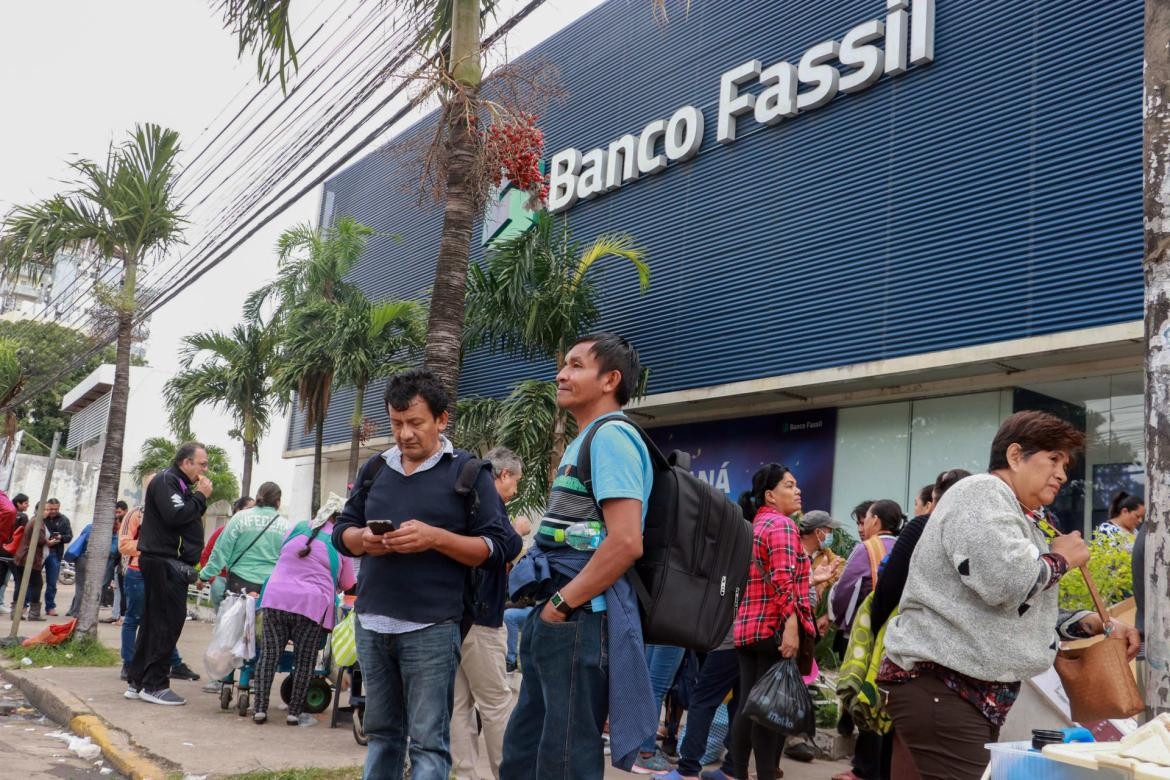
465 483
876 551
369 474
585 455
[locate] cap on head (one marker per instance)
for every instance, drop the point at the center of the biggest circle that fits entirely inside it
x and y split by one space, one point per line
814 519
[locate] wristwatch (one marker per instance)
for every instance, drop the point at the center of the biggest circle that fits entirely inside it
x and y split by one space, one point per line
560 605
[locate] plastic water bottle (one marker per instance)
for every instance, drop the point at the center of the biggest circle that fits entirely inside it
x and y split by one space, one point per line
584 536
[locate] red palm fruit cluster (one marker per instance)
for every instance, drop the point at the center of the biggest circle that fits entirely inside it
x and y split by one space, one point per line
512 151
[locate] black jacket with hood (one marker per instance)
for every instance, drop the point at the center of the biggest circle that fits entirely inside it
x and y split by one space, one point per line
172 518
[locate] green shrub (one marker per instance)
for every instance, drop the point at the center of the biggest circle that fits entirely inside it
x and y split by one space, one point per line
1110 568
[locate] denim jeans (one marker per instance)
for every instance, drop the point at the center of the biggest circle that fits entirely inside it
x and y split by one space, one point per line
555 730
132 581
513 619
409 681
663 662
52 571
718 675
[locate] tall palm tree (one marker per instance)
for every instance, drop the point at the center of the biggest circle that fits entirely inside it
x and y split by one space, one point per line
534 297
451 29
371 341
309 290
125 209
158 452
232 371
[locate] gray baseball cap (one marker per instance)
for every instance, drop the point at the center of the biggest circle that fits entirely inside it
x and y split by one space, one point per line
814 519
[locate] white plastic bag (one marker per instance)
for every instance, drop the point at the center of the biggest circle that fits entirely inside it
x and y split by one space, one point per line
230 627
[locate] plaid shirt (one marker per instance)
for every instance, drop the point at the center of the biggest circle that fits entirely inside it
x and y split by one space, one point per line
778 582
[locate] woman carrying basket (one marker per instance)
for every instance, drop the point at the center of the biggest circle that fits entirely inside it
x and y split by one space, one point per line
298 604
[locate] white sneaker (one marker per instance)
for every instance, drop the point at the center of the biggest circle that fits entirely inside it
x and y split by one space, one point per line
163 696
5 609
131 693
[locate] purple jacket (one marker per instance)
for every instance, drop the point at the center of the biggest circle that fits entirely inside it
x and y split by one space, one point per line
854 585
304 586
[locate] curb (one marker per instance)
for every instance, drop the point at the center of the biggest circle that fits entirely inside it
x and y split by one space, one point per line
64 708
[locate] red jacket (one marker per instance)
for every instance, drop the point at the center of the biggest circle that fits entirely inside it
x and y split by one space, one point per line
7 517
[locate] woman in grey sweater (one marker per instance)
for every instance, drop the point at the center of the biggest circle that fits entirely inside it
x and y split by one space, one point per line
979 613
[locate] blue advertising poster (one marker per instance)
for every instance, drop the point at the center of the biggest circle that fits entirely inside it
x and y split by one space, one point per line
725 453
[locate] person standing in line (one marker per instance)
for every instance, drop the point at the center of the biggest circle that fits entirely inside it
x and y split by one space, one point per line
299 605
60 535
8 515
169 541
133 589
250 543
881 524
419 540
1126 513
581 651
980 611
76 555
776 608
482 680
20 559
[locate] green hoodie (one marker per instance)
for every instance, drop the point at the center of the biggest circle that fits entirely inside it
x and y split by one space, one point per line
247 526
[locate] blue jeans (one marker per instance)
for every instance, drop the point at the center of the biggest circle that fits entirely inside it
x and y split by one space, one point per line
132 581
513 619
718 675
555 731
663 662
52 571
410 682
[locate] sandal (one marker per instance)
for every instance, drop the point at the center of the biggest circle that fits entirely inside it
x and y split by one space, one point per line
846 776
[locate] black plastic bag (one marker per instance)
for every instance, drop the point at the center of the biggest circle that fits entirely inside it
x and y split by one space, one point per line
780 701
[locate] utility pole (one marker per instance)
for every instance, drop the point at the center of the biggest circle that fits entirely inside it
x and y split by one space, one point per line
1156 209
33 534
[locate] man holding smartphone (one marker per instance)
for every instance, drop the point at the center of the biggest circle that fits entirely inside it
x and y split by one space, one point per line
60 535
419 539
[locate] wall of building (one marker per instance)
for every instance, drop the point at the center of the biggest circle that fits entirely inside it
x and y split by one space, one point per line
74 484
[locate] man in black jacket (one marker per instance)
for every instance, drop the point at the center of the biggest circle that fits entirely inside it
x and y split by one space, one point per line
60 535
169 542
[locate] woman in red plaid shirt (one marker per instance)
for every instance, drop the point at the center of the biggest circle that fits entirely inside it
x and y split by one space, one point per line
776 606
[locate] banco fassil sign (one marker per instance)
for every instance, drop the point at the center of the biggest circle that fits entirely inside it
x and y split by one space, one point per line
879 47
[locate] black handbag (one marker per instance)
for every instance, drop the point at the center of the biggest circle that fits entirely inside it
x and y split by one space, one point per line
182 571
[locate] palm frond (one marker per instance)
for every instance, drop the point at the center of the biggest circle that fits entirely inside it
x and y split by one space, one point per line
262 27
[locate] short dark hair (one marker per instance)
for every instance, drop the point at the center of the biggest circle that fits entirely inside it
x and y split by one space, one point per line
1033 431
121 505
20 497
947 480
53 501
860 510
615 353
268 494
403 388
926 494
240 503
186 451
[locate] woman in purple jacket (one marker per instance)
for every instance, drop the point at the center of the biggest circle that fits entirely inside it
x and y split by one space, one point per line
298 604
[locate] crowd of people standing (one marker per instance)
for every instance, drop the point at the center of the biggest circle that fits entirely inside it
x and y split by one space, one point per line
448 603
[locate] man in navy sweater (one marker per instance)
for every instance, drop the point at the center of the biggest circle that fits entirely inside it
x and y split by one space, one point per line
411 587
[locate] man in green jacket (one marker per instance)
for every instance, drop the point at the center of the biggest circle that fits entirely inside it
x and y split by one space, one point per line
250 543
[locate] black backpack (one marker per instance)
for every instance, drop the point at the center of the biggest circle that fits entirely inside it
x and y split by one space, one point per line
696 550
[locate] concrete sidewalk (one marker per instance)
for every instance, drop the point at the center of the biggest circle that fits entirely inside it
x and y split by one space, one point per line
202 739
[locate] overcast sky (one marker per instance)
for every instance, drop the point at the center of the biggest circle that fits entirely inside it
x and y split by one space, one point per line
77 74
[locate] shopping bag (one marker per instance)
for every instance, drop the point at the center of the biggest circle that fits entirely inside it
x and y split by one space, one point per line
780 701
230 626
343 643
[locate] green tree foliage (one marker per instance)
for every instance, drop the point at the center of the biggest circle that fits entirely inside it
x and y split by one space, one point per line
158 452
1110 568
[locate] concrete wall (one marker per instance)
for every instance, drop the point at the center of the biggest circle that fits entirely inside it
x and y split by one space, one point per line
74 484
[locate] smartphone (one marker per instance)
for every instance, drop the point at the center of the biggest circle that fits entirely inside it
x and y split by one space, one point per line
380 526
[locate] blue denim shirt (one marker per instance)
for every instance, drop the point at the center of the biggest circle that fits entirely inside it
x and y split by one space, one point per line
633 719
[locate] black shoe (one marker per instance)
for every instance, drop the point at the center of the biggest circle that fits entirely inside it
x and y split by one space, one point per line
801 751
670 749
183 672
124 675
512 666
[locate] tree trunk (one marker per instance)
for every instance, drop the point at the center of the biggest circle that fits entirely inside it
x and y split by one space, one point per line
318 443
246 480
98 551
445 322
355 433
1156 205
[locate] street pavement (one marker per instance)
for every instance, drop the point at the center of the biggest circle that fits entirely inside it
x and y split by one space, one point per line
204 740
28 751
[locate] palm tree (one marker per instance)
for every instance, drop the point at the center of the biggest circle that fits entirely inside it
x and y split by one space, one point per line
451 29
126 211
534 297
310 289
158 452
232 371
369 341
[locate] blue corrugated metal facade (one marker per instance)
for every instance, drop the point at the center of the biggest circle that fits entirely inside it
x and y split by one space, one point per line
993 194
